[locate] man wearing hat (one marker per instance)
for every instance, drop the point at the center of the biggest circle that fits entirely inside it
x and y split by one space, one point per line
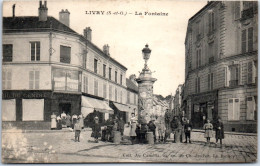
96 130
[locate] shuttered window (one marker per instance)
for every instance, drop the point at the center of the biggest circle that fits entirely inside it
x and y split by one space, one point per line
250 108
6 79
210 81
65 54
197 85
121 97
116 76
233 109
95 65
35 51
104 70
211 22
243 41
95 87
105 90
110 72
85 84
34 79
110 92
7 53
115 94
250 39
128 97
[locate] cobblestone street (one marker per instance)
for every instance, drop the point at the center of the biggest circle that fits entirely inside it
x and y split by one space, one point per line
60 147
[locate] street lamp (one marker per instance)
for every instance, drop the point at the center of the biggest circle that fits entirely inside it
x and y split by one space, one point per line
146 54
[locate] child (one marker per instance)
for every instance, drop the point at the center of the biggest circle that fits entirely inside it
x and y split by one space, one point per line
187 130
77 129
208 127
96 130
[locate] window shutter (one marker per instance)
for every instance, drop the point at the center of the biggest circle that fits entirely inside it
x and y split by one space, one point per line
196 90
38 51
237 10
213 19
250 103
31 79
226 73
208 81
209 23
37 79
4 80
250 72
237 109
105 90
230 109
198 84
250 39
243 41
211 80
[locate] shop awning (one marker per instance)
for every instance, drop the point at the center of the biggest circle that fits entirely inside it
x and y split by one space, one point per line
123 108
98 105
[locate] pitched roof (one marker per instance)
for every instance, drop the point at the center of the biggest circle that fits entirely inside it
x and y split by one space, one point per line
32 23
130 85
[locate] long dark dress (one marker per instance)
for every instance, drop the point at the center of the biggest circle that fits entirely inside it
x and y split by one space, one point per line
96 128
219 132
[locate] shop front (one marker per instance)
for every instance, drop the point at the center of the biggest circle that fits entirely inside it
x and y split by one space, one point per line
123 110
204 106
92 107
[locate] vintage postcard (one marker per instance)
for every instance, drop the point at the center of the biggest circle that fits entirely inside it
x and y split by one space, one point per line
160 81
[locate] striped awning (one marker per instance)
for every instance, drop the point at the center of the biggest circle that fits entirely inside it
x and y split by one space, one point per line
98 105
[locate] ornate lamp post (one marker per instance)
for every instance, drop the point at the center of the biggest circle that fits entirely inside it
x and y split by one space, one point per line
145 85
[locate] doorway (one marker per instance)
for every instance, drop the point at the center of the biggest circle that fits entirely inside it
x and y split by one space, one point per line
65 107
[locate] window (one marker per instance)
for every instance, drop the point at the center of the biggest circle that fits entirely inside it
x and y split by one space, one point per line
65 54
121 79
116 76
115 94
105 90
7 79
210 81
85 84
35 51
9 110
84 63
7 53
211 22
198 58
33 109
110 72
234 75
198 30
251 72
95 87
128 97
251 108
66 80
233 109
110 92
104 70
247 40
134 98
34 79
197 85
95 65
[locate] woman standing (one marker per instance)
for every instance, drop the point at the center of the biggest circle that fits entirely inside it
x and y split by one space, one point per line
68 122
219 131
81 121
59 125
96 130
53 121
208 127
133 122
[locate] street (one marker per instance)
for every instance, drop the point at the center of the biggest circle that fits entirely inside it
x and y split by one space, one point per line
59 147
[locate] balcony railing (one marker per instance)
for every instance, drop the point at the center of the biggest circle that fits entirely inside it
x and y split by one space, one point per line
248 13
233 83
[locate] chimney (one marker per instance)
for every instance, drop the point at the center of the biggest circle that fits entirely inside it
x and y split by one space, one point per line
88 33
43 11
106 49
13 10
65 17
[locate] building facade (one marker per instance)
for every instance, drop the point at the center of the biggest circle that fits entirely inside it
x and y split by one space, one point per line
221 65
49 68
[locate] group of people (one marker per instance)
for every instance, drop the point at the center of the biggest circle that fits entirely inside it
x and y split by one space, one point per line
66 121
182 127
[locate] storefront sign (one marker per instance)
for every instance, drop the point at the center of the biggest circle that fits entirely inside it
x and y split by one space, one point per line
25 94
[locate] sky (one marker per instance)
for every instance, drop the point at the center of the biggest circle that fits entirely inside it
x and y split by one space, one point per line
127 34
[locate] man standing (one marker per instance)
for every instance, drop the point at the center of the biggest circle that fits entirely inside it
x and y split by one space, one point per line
152 128
77 129
121 125
219 127
187 130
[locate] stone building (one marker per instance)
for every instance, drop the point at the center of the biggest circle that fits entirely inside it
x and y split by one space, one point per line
221 65
49 68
